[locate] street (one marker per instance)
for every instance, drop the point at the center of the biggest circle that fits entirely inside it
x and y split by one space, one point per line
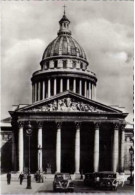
47 187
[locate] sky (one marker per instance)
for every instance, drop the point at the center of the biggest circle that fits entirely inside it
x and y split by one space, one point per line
103 28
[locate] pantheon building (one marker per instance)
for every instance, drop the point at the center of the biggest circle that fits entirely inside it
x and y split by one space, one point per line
71 131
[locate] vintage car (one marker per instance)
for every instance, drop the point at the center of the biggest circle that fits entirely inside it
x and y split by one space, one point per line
108 180
102 180
63 182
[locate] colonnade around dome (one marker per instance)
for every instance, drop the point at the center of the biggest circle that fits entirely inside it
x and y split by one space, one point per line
53 86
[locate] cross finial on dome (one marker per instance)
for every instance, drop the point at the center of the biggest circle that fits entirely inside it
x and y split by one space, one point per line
64 9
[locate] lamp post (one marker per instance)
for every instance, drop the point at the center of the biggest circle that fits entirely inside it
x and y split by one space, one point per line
131 151
29 133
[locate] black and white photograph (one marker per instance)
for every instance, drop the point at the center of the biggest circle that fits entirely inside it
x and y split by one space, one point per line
67 123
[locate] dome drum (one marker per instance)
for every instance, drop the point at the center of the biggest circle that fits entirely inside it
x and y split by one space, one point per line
40 75
48 87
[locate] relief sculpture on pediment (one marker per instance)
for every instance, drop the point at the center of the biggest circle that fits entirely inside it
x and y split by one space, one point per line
67 105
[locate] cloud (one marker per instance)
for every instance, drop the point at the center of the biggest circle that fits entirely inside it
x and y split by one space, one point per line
18 64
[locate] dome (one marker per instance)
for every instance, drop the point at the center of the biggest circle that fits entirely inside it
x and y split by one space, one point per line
64 67
64 45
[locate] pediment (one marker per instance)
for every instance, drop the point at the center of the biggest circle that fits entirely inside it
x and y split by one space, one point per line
68 102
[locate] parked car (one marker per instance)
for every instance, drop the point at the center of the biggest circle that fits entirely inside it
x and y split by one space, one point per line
102 180
63 182
108 180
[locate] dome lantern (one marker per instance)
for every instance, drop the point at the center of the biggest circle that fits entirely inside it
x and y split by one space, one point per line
64 25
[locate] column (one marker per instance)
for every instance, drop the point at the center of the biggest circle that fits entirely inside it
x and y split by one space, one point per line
20 147
13 151
95 92
35 92
89 90
39 88
55 86
49 87
115 148
67 84
40 166
43 92
122 148
61 85
80 87
77 148
85 88
74 85
92 91
96 148
58 148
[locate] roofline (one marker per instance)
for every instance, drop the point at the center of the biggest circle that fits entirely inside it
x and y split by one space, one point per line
76 95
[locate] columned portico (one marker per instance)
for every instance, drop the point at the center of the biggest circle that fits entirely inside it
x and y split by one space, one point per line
40 166
115 147
58 148
21 147
77 149
96 148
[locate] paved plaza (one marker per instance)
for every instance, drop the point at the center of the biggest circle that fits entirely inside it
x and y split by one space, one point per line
47 187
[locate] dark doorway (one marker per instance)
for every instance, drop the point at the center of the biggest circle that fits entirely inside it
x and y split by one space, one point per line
49 147
87 143
68 148
6 155
105 149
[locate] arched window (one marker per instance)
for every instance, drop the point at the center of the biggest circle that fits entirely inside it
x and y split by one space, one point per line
64 64
55 64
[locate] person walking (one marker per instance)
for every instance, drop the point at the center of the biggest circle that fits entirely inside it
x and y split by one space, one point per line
8 178
21 176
